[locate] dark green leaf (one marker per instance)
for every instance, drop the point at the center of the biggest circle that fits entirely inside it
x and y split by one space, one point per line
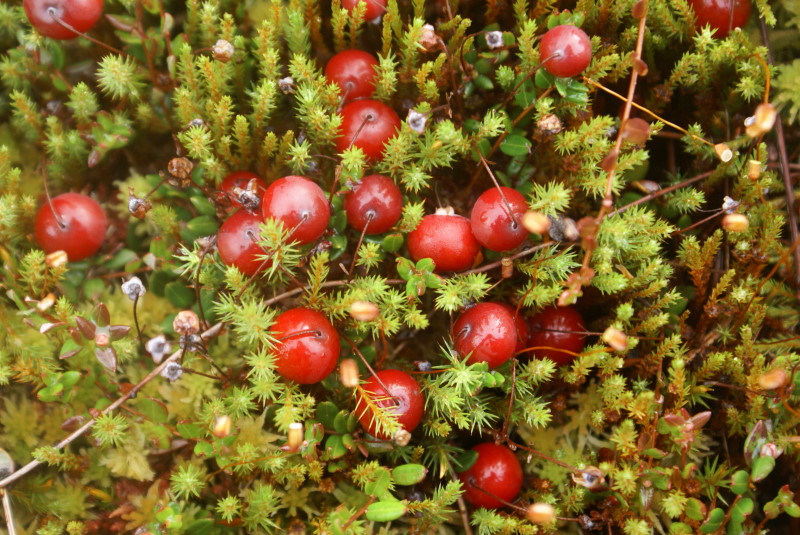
179 295
515 145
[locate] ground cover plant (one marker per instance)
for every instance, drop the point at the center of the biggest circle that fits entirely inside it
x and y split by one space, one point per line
520 266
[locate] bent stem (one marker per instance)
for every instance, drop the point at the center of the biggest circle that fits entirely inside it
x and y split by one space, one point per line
61 22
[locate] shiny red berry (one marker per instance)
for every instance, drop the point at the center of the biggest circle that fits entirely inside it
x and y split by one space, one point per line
375 204
80 14
721 15
308 345
237 242
521 325
354 72
492 225
79 228
565 50
300 204
447 239
487 333
367 124
243 188
375 8
401 395
556 330
496 474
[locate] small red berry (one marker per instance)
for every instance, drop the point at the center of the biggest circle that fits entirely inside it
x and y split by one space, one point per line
565 50
79 230
375 8
354 72
492 225
559 328
497 472
237 242
300 204
367 124
80 14
722 15
243 188
375 204
308 346
401 394
487 333
445 238
521 324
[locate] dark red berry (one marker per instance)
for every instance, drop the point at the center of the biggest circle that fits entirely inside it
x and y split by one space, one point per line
447 239
521 324
492 225
722 15
79 229
401 395
308 345
556 330
565 50
375 204
79 14
375 8
487 333
237 242
244 188
354 72
367 124
300 204
496 474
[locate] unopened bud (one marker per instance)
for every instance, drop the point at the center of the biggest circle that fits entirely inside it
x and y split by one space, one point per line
180 168
770 449
570 229
616 339
138 206
56 259
402 438
506 267
223 50
364 310
723 151
735 222
348 373
591 477
46 302
549 124
535 222
222 426
762 121
540 513
428 38
295 438
286 85
754 169
773 379
102 339
186 322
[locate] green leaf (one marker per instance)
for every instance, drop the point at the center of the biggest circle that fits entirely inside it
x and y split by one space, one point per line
695 509
334 447
340 421
380 483
153 409
515 145
740 482
405 268
465 460
385 511
203 206
543 79
741 510
198 227
715 518
655 453
190 431
326 412
179 295
762 468
409 474
392 243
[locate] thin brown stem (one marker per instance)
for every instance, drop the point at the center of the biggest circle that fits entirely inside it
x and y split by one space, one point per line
7 510
61 22
661 192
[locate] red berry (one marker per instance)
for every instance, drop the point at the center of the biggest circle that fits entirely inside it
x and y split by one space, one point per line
521 325
308 346
560 328
237 242
568 48
80 14
375 204
722 15
487 333
375 8
79 229
300 204
244 188
447 239
492 225
367 124
354 72
401 394
497 472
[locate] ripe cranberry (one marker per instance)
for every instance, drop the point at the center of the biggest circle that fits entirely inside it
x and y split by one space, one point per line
722 15
521 324
487 333
244 188
367 124
568 48
354 72
445 238
492 225
496 472
237 242
558 328
80 14
308 346
375 8
300 204
79 229
401 395
374 204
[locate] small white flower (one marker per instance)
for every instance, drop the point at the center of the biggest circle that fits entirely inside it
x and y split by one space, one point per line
133 288
158 347
416 121
494 39
172 371
729 205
